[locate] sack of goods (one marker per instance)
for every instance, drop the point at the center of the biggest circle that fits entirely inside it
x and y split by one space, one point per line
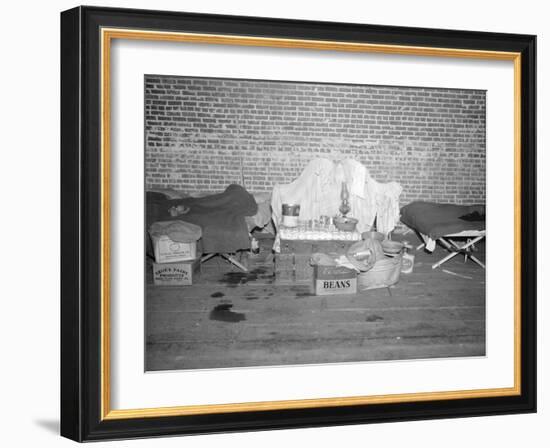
364 254
379 262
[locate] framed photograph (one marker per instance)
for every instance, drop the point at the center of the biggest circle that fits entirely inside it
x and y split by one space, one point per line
272 223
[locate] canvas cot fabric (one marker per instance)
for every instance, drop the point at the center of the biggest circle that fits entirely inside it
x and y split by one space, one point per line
220 216
437 220
318 189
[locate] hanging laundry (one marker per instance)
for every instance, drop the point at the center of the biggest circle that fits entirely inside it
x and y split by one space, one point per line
317 191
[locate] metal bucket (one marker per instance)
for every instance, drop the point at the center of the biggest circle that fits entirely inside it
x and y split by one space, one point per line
384 273
290 215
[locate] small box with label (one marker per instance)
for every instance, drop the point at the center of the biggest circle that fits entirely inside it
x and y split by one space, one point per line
174 240
176 274
168 251
334 280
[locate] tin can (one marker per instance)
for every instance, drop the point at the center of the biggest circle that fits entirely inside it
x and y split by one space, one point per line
290 214
407 264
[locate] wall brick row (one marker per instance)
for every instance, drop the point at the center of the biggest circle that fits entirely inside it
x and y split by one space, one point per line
202 134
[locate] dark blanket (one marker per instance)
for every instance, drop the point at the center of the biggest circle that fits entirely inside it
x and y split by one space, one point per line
437 220
221 217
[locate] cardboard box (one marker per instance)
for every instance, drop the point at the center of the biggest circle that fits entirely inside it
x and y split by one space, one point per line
329 280
168 251
176 274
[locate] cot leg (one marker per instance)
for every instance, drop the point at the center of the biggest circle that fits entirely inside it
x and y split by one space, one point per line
477 261
469 244
232 260
455 249
207 257
447 245
443 260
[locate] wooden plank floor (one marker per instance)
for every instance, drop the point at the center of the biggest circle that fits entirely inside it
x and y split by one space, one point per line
233 319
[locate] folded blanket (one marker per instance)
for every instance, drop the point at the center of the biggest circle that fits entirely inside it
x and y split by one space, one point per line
437 220
221 217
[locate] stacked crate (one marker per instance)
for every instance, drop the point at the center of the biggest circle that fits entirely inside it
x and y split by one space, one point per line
292 264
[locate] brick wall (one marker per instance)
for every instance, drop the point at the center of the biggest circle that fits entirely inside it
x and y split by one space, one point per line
202 133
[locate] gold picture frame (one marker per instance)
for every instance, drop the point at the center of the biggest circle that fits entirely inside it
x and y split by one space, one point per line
105 26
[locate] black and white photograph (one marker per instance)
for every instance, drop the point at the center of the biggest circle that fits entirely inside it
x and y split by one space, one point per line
292 223
264 224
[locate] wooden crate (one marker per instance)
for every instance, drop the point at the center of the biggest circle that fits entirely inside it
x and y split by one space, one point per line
284 262
182 273
285 276
296 254
303 270
311 246
296 247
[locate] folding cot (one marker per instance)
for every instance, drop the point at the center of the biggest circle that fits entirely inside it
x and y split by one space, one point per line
456 227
